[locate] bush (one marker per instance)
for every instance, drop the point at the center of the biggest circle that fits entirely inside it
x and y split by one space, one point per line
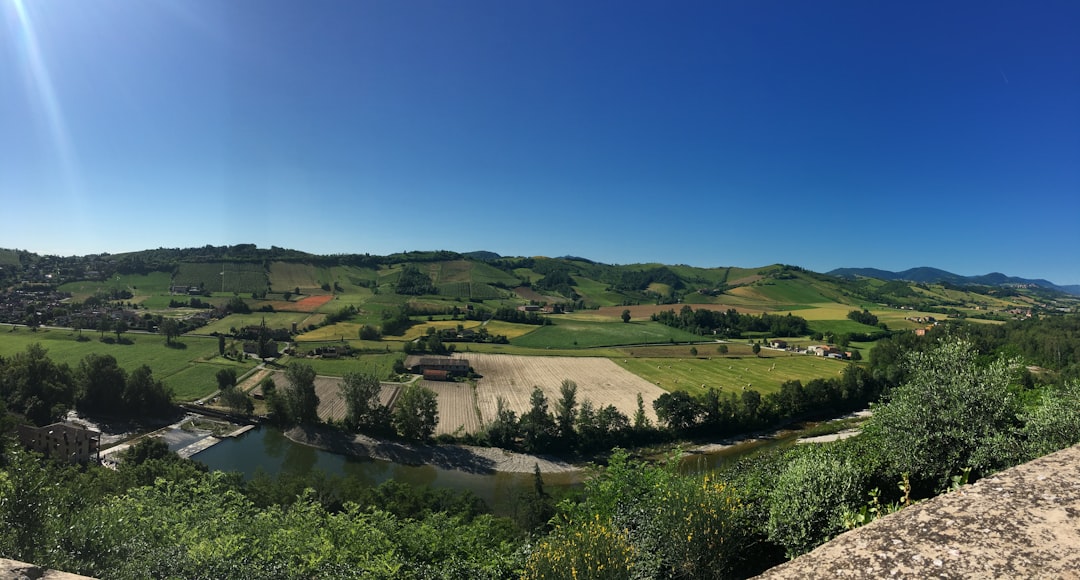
814 491
951 413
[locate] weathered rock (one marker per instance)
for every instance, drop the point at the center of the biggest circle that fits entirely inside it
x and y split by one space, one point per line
1021 523
15 570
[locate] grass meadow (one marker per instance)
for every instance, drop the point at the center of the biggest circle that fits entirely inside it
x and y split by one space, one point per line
273 320
730 373
239 277
140 285
568 333
189 370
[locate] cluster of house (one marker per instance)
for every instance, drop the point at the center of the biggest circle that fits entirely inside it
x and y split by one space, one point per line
29 305
546 309
823 350
437 368
186 290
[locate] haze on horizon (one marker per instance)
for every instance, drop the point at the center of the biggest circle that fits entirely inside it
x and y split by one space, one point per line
708 133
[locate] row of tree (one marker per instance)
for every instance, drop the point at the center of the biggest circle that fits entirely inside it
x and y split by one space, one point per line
415 414
43 391
732 324
956 410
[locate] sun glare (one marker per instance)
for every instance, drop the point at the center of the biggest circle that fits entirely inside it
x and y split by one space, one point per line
40 92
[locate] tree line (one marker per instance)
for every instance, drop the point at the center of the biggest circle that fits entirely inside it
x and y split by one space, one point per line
732 324
43 391
958 415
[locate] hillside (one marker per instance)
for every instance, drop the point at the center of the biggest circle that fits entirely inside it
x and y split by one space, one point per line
935 276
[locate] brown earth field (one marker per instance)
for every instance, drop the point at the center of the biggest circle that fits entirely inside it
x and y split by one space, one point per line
331 403
600 380
530 294
511 377
306 304
457 407
644 311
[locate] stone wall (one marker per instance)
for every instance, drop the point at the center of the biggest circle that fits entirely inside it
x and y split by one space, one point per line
1021 523
15 570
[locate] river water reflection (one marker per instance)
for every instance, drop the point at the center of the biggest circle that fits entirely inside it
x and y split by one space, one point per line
268 450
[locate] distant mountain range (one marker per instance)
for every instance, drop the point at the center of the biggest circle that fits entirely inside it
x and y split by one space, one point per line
933 276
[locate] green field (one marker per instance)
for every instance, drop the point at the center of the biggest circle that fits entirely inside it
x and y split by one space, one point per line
783 292
238 321
597 293
239 277
841 327
473 290
140 285
381 365
566 333
189 370
731 374
288 276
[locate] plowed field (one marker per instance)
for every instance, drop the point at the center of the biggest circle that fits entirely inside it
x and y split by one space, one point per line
331 403
598 379
457 407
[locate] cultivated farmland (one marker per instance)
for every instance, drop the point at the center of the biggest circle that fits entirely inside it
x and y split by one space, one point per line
763 374
331 403
238 277
457 407
600 380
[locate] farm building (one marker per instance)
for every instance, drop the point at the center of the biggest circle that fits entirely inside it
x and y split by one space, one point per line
823 350
62 441
778 343
451 366
436 375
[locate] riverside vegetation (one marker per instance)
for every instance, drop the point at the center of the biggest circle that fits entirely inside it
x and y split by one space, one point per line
953 408
958 400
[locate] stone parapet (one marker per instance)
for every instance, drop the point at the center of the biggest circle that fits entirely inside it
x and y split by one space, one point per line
1021 523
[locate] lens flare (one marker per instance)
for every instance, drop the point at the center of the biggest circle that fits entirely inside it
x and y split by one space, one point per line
41 93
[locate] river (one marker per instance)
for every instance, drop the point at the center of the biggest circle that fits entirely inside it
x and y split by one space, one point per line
268 450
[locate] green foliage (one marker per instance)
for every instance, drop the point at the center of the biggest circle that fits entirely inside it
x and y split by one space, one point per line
538 428
731 323
363 410
590 549
301 402
504 430
566 410
1054 422
31 383
817 487
412 281
651 521
875 509
226 378
863 317
952 412
416 412
237 401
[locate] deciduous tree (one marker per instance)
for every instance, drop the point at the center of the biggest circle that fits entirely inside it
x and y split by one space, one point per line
416 413
301 401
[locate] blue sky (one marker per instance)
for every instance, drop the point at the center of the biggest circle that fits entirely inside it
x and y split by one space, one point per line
820 134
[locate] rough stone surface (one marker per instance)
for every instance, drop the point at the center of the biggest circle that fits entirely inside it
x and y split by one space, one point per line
1021 523
15 570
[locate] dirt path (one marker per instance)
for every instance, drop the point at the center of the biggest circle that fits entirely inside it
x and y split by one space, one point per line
461 457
